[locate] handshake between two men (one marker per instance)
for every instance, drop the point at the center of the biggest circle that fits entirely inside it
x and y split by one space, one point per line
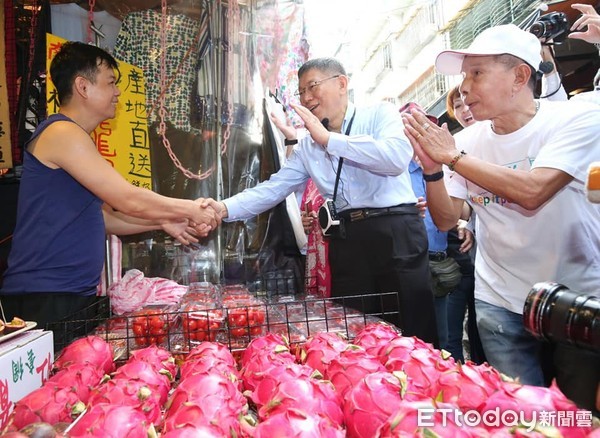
206 218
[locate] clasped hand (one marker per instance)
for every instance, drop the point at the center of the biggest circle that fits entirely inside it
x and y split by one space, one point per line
433 145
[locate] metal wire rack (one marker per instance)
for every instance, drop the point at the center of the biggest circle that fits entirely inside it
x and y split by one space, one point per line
234 322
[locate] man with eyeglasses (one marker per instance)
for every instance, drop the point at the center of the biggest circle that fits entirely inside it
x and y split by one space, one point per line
381 243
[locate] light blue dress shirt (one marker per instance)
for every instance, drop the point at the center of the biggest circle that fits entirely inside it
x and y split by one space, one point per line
374 174
438 240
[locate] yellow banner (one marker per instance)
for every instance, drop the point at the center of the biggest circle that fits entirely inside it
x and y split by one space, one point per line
122 141
5 149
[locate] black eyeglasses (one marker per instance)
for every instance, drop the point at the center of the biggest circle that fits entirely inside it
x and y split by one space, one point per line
311 87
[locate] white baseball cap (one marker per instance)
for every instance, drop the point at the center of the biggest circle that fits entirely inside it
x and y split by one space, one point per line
498 40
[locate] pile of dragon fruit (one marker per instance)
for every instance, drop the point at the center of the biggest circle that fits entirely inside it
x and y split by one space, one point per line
381 385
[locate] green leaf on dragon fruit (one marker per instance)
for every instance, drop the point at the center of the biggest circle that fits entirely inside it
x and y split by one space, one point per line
403 379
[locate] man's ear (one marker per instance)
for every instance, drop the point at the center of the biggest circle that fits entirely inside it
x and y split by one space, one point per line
522 75
343 84
80 86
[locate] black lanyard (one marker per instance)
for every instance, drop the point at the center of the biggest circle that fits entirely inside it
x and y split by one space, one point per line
341 162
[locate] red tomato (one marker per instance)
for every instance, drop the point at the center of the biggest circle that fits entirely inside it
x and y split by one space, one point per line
138 330
157 322
238 332
142 321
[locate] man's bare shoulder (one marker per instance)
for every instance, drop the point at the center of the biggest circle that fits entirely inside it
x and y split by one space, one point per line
58 142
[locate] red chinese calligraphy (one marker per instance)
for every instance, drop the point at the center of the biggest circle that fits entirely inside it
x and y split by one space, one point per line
52 49
101 138
46 366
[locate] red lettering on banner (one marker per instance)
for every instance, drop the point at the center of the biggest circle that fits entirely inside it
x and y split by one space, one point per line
52 49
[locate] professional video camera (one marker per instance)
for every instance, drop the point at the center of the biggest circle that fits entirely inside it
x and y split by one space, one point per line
551 26
555 313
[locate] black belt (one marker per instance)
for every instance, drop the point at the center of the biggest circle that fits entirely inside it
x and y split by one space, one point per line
437 256
358 214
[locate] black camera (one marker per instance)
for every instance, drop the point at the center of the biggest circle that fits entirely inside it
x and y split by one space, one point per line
551 26
555 313
329 220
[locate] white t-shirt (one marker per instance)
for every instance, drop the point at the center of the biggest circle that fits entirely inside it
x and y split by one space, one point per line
560 241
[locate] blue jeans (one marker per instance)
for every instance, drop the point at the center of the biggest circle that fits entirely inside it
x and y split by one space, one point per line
507 345
459 300
441 317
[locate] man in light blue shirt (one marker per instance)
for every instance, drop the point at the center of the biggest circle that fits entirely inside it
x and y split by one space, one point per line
381 244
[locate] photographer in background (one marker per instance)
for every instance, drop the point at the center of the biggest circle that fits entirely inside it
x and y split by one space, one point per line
359 158
587 28
552 29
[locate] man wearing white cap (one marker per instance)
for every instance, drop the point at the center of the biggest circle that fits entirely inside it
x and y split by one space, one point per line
522 168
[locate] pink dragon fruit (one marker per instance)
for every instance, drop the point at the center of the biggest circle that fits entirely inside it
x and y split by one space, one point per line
318 351
309 395
217 399
160 359
145 373
595 433
400 347
46 404
423 368
294 423
194 416
209 364
272 377
255 367
194 432
530 403
424 419
129 393
79 377
370 403
111 421
468 386
351 366
375 336
91 349
271 342
212 349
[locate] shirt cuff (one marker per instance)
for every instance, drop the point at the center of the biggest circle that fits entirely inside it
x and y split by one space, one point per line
337 142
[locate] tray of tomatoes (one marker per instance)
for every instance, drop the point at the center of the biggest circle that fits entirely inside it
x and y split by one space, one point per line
151 325
246 315
202 323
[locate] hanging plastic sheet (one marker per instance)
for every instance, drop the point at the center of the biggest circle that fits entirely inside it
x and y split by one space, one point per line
219 68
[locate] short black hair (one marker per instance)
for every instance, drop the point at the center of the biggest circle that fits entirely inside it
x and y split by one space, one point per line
326 65
77 59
